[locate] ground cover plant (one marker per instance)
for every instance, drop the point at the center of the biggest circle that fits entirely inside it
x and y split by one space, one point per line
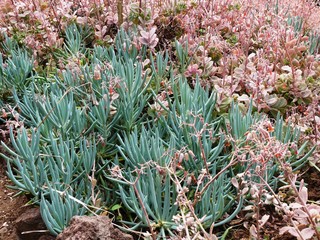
171 117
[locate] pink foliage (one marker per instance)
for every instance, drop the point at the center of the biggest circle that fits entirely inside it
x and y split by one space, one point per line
149 38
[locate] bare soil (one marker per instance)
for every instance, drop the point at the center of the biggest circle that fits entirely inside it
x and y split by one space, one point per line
312 178
10 207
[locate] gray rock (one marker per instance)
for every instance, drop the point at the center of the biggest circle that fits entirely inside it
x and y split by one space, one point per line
92 228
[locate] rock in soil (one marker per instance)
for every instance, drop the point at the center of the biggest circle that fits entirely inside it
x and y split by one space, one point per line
92 228
30 226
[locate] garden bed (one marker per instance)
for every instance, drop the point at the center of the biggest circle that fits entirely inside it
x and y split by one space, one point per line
176 119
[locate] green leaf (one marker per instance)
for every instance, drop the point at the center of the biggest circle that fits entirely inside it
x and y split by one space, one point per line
115 207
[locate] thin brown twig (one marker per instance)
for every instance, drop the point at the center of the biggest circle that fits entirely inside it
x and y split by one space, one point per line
154 237
199 194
